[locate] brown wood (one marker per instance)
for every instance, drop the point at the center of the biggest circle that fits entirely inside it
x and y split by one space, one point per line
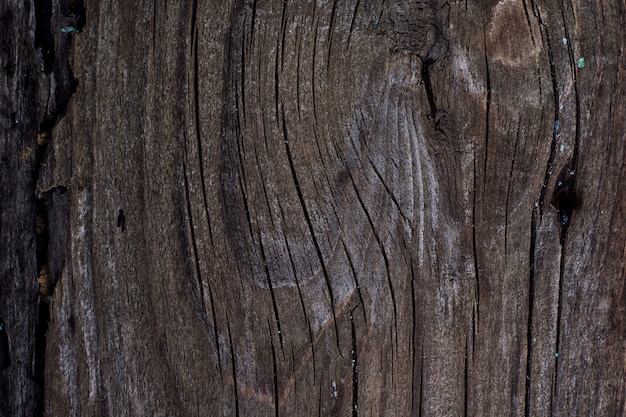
313 208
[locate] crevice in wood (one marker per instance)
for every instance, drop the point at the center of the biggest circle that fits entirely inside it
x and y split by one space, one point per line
565 199
531 305
313 75
487 106
277 81
55 53
51 236
475 310
384 184
43 33
355 370
413 339
5 353
193 27
74 9
275 370
530 27
253 22
302 304
382 251
298 105
465 380
573 167
356 9
234 366
427 63
509 189
241 91
307 217
356 280
45 289
557 344
196 110
555 92
329 39
40 354
270 286
421 395
199 297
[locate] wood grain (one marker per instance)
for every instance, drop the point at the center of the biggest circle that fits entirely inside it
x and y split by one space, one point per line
330 208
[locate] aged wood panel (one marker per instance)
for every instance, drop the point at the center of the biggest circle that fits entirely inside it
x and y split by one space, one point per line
315 208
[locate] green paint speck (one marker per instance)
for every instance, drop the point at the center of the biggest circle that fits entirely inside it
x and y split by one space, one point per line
581 62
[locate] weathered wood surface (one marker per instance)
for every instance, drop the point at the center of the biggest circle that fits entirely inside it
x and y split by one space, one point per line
329 208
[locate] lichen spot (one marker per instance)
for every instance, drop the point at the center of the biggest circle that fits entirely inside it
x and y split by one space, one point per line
510 40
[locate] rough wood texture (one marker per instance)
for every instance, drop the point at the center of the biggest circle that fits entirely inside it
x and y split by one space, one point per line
329 208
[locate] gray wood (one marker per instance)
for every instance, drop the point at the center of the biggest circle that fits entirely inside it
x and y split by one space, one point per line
329 208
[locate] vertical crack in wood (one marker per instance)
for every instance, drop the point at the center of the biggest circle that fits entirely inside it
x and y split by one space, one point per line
555 379
421 395
329 39
242 80
386 187
277 80
465 380
356 279
302 304
487 106
298 105
307 217
270 286
531 305
275 366
573 168
355 370
475 310
201 303
356 9
283 32
193 29
196 112
413 340
382 251
234 366
313 75
45 289
253 22
555 92
44 38
509 189
5 353
564 198
530 27
428 87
